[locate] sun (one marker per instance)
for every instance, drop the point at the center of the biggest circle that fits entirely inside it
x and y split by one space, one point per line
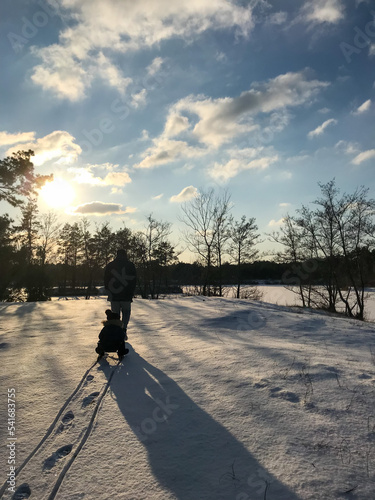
57 193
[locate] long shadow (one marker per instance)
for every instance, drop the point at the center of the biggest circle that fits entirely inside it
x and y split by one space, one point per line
191 455
19 309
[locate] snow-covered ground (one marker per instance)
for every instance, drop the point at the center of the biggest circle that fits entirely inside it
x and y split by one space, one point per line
217 399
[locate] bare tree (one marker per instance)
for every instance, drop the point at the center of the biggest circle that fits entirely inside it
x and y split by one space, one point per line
243 237
321 244
48 234
337 237
159 253
206 216
222 224
354 221
291 237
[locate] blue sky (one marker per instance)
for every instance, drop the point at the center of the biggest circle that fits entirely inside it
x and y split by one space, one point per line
137 106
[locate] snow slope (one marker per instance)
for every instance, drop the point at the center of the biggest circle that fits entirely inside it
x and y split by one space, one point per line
217 399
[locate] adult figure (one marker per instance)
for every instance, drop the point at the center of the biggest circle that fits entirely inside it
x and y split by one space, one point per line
120 279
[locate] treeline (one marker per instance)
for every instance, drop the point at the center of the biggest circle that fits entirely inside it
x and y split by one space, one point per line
326 250
40 257
40 254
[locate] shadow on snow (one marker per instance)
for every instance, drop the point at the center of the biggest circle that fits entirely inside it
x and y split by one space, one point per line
190 454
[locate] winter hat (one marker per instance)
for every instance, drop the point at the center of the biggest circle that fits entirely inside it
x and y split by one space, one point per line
111 315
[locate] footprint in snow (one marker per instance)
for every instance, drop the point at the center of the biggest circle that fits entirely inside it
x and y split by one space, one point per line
261 384
276 392
22 492
364 376
275 389
68 417
90 398
89 377
62 452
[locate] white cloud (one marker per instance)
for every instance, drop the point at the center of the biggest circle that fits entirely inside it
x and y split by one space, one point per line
68 77
60 73
323 11
277 18
219 120
158 196
226 171
319 130
275 223
117 179
364 156
298 158
185 195
58 146
363 107
214 122
69 67
348 148
165 151
155 66
324 111
110 73
284 205
371 50
220 56
139 99
175 124
101 208
7 139
85 175
144 136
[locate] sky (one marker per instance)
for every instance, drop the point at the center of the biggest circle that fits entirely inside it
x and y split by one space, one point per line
136 107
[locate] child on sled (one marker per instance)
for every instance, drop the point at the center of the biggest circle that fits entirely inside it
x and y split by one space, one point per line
112 336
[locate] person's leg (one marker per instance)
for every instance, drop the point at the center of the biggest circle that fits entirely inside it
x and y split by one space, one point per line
116 307
126 310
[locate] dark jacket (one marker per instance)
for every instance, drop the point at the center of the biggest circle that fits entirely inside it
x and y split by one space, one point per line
120 278
112 334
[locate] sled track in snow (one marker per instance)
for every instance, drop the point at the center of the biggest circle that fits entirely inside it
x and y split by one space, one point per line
84 438
24 491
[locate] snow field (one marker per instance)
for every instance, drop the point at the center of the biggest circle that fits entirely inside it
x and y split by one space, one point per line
217 399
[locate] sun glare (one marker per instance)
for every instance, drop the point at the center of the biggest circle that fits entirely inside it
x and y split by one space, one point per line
57 193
